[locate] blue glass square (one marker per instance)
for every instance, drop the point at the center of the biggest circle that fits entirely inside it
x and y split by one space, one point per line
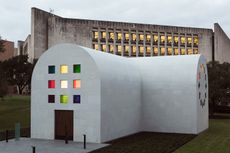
77 99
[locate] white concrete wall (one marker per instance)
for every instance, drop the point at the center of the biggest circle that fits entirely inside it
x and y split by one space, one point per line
169 93
120 95
86 114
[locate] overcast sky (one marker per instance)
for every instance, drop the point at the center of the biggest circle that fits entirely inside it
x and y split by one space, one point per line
15 15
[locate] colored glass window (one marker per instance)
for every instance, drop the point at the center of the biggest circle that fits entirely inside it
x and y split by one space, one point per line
77 68
63 69
51 69
51 98
76 84
63 99
64 84
51 84
77 99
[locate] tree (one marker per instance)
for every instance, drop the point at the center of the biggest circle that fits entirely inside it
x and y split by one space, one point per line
2 49
3 83
219 84
18 71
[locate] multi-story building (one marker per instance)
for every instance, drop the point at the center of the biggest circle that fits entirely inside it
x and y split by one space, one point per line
9 50
127 39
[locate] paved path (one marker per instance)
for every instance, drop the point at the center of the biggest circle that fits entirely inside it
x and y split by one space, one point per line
46 146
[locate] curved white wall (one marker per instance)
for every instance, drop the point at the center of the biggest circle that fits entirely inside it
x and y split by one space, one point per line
120 95
169 94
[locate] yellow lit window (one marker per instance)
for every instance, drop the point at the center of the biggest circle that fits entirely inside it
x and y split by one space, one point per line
111 48
64 84
162 51
169 51
127 49
119 36
162 39
119 49
176 39
134 50
148 38
63 69
103 48
195 41
190 51
111 35
155 51
148 50
141 50
141 37
126 36
169 39
189 40
176 51
95 46
134 37
155 37
196 51
103 35
95 35
182 51
182 40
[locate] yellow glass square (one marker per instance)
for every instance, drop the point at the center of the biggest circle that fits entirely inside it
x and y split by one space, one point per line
63 69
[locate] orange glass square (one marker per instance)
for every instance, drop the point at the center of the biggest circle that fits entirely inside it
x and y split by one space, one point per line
76 84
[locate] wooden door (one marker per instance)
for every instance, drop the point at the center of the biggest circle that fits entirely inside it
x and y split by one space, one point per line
64 124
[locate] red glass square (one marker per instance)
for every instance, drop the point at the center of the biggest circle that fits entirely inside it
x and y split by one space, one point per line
51 84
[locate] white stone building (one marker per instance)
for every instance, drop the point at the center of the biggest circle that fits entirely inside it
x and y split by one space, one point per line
76 91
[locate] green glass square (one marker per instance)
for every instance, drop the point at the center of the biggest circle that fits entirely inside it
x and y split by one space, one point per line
77 68
63 99
51 69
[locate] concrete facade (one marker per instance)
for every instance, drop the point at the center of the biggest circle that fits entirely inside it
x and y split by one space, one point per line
136 39
119 95
222 44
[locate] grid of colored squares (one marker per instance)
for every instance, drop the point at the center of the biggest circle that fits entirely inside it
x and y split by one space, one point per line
76 84
64 99
64 69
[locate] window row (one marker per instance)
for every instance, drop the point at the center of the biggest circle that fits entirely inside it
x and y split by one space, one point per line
76 84
147 38
64 99
64 69
141 49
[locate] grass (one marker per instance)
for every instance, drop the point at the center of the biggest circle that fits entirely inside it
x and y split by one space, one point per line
215 140
14 109
146 142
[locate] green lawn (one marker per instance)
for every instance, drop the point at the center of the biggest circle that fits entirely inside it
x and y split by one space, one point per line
215 140
14 109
